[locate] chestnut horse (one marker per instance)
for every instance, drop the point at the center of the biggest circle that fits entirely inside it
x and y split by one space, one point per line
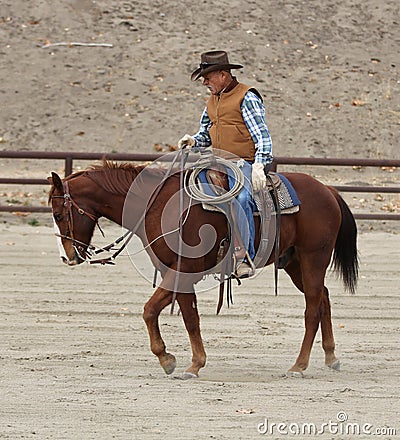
321 232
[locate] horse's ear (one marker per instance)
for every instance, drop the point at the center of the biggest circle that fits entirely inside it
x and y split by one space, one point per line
55 180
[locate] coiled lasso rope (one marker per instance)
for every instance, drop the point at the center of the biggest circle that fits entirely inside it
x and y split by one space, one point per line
194 189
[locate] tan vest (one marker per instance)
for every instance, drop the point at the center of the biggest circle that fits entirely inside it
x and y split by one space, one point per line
228 131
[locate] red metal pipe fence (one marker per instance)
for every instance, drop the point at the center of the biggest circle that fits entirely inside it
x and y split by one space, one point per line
69 157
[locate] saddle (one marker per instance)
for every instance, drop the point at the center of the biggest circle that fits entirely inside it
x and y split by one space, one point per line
218 180
277 198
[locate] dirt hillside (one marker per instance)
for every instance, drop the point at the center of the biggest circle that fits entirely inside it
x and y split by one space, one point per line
329 72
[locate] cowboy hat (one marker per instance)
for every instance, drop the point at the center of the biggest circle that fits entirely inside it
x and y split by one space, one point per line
211 61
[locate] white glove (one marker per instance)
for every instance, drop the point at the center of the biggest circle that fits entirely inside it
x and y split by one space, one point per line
186 142
258 178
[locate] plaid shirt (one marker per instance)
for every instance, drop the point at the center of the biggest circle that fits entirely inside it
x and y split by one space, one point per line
253 113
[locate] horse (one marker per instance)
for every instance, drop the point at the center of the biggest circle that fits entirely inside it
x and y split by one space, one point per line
322 233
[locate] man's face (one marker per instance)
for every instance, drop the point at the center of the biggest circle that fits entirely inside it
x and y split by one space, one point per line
216 81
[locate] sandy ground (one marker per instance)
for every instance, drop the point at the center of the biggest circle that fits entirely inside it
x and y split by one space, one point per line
75 361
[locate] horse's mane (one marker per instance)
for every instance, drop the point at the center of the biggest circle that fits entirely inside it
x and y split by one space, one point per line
115 178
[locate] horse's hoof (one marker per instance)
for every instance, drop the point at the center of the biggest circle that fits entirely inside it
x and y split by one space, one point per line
296 374
169 363
335 365
186 375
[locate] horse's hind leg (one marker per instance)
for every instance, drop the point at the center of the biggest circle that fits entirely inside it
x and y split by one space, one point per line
152 309
328 342
311 320
308 276
188 306
294 271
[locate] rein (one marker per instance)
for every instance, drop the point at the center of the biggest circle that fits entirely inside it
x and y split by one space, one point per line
91 250
127 236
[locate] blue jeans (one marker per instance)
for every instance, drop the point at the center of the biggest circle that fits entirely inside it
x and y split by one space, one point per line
244 206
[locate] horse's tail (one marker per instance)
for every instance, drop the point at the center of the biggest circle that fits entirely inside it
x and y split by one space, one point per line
345 255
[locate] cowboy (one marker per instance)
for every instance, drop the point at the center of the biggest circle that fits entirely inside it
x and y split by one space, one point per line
234 120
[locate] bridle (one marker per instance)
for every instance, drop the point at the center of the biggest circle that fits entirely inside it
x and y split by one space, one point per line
69 203
80 246
86 251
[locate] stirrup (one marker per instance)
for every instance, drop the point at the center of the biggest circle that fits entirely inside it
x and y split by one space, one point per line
244 268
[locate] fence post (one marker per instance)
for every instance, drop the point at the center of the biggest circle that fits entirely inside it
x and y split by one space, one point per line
68 165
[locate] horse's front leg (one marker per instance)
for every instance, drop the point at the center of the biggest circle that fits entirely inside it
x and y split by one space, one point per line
188 306
152 309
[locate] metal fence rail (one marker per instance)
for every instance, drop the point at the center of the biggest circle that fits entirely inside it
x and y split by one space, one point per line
70 157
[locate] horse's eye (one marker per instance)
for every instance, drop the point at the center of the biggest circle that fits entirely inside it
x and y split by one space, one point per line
58 217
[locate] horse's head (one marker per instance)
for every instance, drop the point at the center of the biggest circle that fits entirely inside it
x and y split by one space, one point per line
74 221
